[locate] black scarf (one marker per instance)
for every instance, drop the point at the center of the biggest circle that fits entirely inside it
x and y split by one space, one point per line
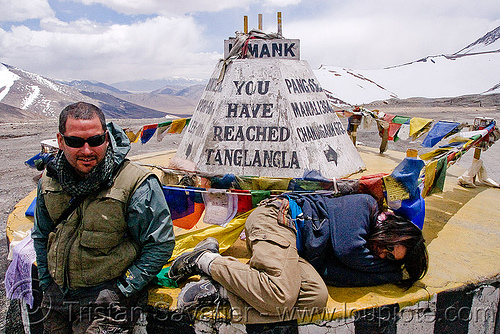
101 176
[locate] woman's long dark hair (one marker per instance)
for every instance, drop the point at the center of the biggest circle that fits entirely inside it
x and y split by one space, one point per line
396 230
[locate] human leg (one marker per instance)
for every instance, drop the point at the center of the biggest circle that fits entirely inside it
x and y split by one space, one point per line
270 281
272 284
90 310
313 293
383 132
55 312
107 309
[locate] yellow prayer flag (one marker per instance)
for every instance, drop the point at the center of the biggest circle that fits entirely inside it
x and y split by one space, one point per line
133 137
137 136
226 236
437 152
177 125
396 191
430 175
418 124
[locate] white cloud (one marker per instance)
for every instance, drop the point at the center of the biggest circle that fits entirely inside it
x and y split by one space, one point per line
156 48
359 34
20 10
375 34
167 7
280 3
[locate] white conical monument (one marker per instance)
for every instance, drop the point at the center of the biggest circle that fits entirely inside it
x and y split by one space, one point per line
267 115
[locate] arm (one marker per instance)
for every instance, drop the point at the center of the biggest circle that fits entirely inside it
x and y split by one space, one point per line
335 273
43 226
150 224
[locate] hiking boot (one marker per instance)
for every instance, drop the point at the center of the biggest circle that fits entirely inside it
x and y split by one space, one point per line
185 265
196 294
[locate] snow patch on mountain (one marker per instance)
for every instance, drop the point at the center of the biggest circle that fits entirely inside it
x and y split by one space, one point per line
474 69
350 86
7 79
30 97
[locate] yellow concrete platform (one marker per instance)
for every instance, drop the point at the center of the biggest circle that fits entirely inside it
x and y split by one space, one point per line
462 231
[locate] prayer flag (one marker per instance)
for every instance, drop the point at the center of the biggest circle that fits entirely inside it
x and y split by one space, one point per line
259 195
244 200
147 132
407 173
396 191
414 210
133 136
400 119
373 185
430 174
162 130
418 126
388 117
396 124
185 204
263 183
177 125
436 174
220 207
438 131
404 132
393 129
439 152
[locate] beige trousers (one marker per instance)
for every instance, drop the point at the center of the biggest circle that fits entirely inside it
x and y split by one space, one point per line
276 284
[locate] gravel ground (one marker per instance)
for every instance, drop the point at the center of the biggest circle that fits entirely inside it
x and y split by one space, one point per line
20 141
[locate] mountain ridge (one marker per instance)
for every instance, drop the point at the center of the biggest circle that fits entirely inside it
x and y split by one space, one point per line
473 71
30 96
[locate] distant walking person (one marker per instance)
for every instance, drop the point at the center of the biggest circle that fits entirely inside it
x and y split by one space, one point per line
102 228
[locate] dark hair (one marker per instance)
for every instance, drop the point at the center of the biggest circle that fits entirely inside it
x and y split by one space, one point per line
396 230
80 110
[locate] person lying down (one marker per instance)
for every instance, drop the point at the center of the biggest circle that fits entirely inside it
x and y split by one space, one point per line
299 244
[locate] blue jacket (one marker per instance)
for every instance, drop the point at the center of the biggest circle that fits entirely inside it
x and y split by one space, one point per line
334 232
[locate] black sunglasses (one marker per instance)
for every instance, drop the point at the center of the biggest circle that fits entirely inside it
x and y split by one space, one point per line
77 142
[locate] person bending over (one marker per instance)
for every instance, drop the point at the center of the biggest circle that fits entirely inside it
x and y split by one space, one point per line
345 239
350 243
276 281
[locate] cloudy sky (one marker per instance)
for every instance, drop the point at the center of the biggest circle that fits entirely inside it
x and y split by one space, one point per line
121 40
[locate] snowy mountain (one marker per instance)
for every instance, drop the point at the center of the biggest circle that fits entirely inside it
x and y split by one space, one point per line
488 43
474 69
34 93
25 95
146 86
94 86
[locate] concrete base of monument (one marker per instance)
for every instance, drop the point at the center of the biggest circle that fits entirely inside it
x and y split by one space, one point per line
459 294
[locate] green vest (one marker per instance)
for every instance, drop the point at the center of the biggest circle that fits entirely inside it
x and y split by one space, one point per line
93 244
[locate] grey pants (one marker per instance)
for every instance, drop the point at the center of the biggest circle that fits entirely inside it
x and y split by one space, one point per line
276 284
102 309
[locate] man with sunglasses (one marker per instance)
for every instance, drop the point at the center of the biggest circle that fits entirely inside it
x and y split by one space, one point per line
102 228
